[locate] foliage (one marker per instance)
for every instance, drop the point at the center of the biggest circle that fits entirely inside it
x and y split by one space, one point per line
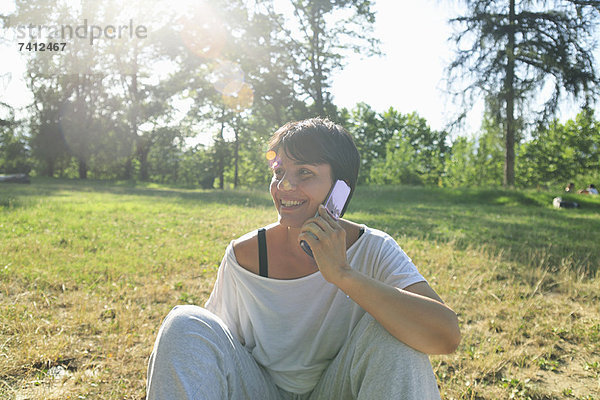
318 38
14 154
398 166
366 127
196 168
237 70
47 142
562 152
397 148
459 169
512 50
164 157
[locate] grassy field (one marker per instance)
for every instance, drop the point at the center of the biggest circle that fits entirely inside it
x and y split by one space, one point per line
88 271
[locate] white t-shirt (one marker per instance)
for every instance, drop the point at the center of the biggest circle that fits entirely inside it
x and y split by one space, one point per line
295 327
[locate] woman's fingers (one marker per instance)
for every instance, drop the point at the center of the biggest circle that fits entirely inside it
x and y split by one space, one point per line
323 233
316 228
324 213
324 220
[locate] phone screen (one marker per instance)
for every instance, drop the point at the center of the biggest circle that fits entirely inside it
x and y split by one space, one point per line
337 198
335 202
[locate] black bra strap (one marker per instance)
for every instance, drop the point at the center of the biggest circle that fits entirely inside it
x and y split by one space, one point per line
263 265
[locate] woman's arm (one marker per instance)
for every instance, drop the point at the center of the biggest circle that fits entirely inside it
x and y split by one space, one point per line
410 315
415 315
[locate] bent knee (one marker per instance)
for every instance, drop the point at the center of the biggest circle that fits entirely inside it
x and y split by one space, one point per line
376 336
184 319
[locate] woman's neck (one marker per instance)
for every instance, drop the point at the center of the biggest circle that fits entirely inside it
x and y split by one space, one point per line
290 243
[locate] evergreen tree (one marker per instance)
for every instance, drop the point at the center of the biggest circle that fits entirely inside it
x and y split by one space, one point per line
328 31
511 50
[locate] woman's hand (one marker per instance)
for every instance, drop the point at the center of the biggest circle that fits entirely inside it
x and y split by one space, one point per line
328 244
414 315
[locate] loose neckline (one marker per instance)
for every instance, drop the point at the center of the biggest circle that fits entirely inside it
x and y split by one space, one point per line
305 277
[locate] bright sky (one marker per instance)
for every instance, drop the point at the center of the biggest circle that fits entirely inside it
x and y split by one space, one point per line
409 77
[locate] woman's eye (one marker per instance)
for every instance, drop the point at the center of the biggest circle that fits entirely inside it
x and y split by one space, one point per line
305 172
278 173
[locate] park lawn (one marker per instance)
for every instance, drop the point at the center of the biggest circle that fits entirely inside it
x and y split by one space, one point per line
89 269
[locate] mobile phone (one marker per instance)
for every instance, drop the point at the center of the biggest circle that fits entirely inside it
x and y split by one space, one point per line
335 202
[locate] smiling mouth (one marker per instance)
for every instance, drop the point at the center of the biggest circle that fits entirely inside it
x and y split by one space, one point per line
291 203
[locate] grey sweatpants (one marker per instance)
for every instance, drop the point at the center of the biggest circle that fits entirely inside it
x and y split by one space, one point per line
196 357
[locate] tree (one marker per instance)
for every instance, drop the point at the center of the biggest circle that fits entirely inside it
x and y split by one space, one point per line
142 100
197 167
80 124
364 124
459 169
94 102
327 31
245 87
403 143
511 50
47 142
14 154
431 150
413 151
489 148
561 153
398 166
164 157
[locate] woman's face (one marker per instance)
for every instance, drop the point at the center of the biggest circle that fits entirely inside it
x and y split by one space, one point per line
298 189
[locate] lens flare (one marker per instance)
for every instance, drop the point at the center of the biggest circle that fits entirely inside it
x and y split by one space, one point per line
87 137
202 31
227 78
273 158
241 100
286 185
75 126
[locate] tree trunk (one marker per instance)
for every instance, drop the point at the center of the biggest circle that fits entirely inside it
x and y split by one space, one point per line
315 61
140 150
128 168
142 153
49 168
509 160
220 156
236 158
83 168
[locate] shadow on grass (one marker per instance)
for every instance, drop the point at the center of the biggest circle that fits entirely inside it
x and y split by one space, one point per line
18 196
520 224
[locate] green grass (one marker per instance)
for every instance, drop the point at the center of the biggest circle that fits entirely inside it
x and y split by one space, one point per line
89 269
519 224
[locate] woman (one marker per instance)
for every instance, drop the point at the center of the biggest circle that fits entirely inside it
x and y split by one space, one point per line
355 321
591 189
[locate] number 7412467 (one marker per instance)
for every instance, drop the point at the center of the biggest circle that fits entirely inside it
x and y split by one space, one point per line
42 46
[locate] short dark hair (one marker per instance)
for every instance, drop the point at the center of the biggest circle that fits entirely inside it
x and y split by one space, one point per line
320 141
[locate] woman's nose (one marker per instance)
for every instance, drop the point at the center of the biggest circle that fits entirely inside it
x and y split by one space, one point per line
285 184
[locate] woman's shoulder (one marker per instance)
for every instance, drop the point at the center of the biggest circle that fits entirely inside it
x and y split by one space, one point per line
360 230
375 241
245 249
353 231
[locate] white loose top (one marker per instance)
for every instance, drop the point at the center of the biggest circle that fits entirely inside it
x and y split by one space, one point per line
295 327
